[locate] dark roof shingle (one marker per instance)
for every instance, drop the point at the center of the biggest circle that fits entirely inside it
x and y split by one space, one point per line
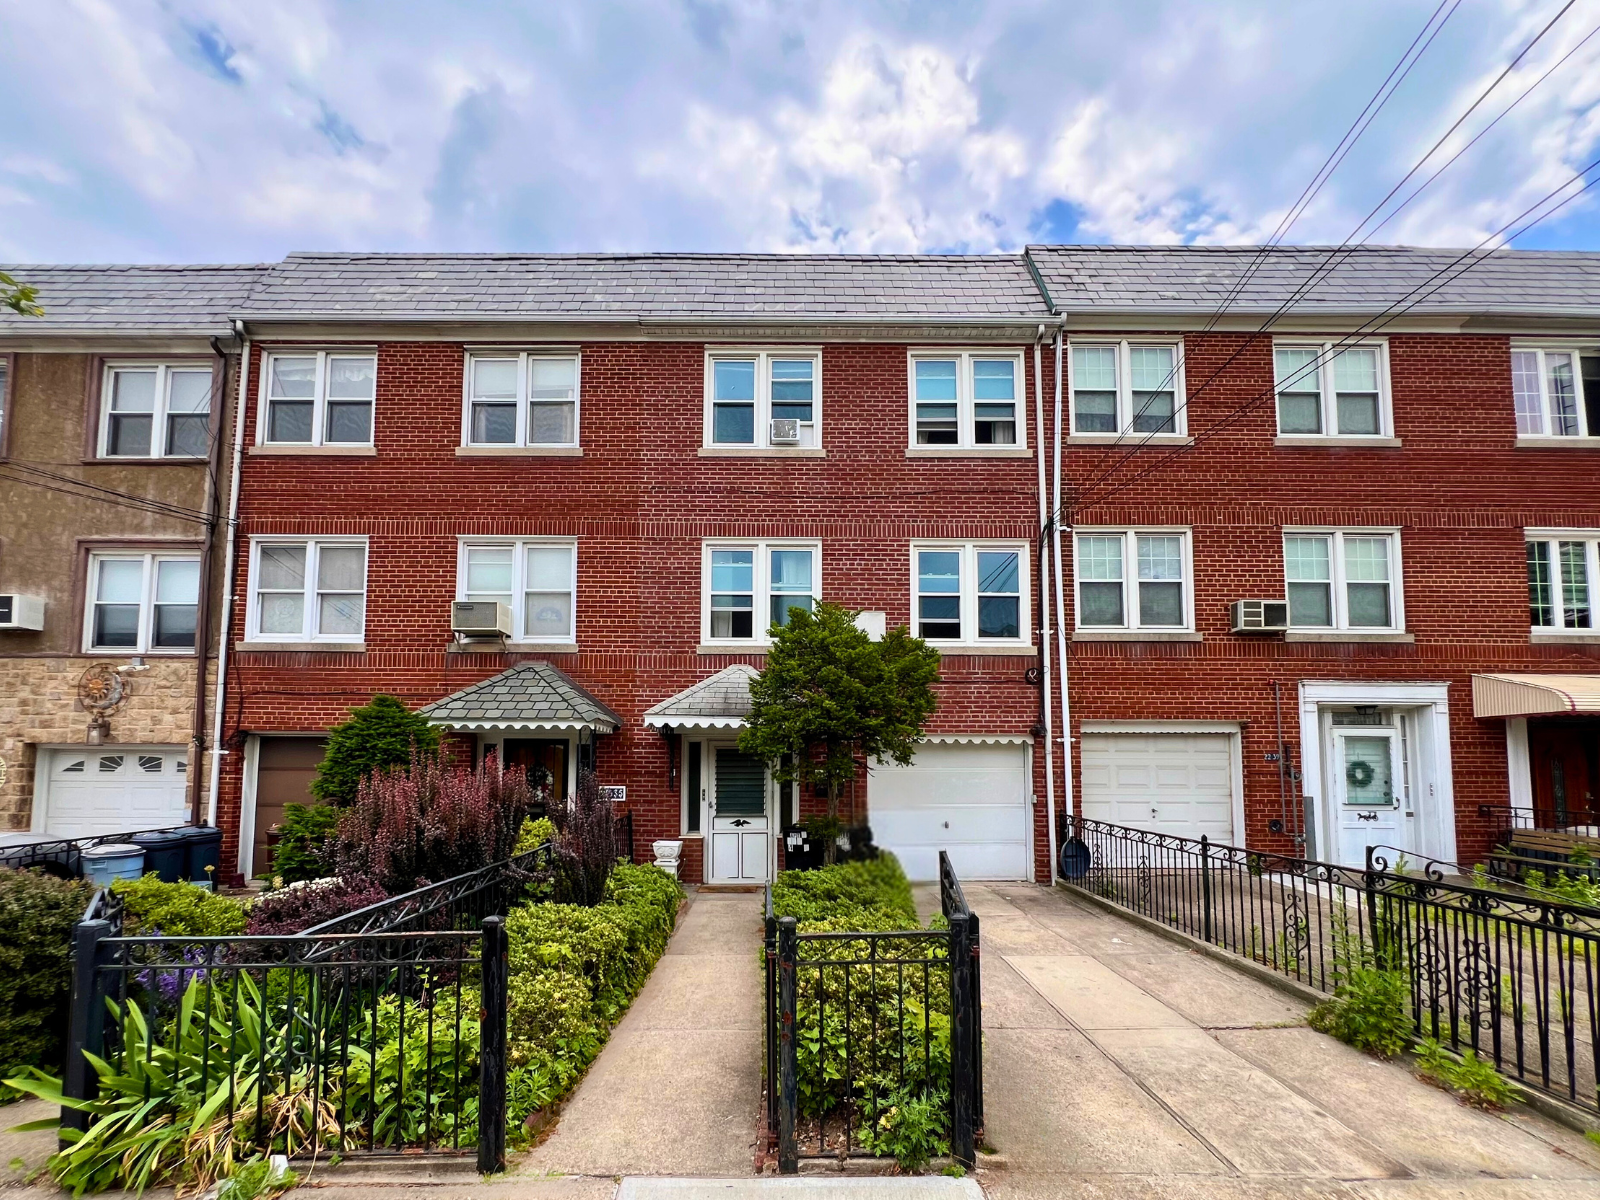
528 694
143 299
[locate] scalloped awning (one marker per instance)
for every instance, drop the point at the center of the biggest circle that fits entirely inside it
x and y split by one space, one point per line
1534 695
532 695
720 701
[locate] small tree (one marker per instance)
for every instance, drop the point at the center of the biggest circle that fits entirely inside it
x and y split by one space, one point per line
377 736
829 693
586 843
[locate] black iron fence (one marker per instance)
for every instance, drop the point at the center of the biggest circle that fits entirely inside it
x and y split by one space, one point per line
862 1024
1506 974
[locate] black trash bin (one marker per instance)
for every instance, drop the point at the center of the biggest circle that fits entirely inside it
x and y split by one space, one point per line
205 851
166 852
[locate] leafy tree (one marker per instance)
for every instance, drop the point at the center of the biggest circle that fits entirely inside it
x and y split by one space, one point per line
377 736
829 693
19 297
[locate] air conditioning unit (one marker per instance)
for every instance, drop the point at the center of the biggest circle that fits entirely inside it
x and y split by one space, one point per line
1259 616
785 431
21 612
480 619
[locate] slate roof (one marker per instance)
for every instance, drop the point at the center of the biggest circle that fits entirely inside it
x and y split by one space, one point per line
721 699
1189 278
146 299
648 286
528 694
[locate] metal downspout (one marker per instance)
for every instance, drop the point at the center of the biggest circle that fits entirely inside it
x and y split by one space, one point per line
205 610
1061 618
1040 550
230 573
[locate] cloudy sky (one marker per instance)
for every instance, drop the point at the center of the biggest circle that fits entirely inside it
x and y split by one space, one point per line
237 130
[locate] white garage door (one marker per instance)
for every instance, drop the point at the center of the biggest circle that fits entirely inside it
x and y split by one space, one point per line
969 798
115 789
1178 783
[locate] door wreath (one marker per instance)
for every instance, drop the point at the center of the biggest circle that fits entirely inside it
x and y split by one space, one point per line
1359 774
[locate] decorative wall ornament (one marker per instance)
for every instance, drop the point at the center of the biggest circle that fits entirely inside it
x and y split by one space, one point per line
101 692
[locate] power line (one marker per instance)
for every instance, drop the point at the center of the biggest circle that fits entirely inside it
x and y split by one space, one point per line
95 492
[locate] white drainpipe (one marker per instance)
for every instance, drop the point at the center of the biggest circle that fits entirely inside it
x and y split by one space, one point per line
1041 551
229 574
1061 617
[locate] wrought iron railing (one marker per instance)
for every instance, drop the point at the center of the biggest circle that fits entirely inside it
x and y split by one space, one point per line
1512 976
64 856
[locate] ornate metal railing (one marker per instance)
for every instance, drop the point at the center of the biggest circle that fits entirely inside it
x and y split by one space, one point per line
64 856
1513 976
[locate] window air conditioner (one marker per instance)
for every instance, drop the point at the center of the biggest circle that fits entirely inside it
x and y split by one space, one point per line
480 619
785 431
21 612
1259 616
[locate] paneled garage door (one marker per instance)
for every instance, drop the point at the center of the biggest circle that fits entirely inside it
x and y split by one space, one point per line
969 798
1179 783
115 789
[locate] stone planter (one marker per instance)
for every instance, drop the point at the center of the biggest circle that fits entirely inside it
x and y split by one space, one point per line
668 854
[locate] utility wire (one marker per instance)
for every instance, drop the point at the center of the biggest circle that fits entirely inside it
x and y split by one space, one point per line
130 498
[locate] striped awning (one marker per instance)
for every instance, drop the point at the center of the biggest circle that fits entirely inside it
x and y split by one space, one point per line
1534 695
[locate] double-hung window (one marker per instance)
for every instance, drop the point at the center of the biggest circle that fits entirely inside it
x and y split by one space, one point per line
1325 390
1562 572
1343 580
1557 392
319 398
966 401
750 587
1133 580
155 410
970 593
763 400
535 578
521 399
1127 387
308 590
142 603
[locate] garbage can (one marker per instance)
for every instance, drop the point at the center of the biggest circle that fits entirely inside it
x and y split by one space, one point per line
166 852
104 865
205 854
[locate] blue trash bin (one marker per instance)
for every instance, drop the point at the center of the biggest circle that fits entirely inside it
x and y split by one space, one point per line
205 851
166 852
104 865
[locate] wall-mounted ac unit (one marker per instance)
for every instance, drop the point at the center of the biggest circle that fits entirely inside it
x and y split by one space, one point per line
1259 616
21 612
480 619
785 431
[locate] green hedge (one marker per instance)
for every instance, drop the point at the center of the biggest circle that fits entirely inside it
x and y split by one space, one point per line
152 907
37 912
871 895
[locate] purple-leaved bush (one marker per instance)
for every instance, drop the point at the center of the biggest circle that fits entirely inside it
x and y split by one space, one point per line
302 905
586 846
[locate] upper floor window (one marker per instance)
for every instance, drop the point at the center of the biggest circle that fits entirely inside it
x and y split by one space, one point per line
1343 579
966 400
142 603
321 398
970 593
1562 568
1133 580
763 400
536 579
308 590
1127 387
1326 392
749 587
521 399
1557 392
155 410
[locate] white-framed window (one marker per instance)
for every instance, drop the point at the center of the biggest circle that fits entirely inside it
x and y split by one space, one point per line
318 397
1563 568
155 410
1557 391
763 399
967 400
308 590
1123 387
747 587
521 398
1328 392
1343 579
141 603
1134 580
536 577
970 593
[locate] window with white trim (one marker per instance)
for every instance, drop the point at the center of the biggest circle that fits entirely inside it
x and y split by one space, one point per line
308 590
750 587
536 577
142 603
1127 387
521 399
1557 392
970 593
1133 580
967 400
1325 391
319 398
1343 580
1562 568
155 410
763 400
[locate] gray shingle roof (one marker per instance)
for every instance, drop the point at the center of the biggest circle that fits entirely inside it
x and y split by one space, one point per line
720 699
156 299
649 286
1187 278
531 694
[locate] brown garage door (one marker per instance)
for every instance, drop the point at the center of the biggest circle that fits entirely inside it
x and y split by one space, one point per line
284 771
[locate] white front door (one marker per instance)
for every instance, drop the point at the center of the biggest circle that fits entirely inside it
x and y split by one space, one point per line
114 789
1369 791
741 841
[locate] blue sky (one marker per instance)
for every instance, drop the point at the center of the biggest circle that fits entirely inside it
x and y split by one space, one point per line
237 130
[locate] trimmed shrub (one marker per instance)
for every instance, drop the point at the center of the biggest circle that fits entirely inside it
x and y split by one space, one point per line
152 907
301 853
870 895
535 833
378 736
301 905
37 912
